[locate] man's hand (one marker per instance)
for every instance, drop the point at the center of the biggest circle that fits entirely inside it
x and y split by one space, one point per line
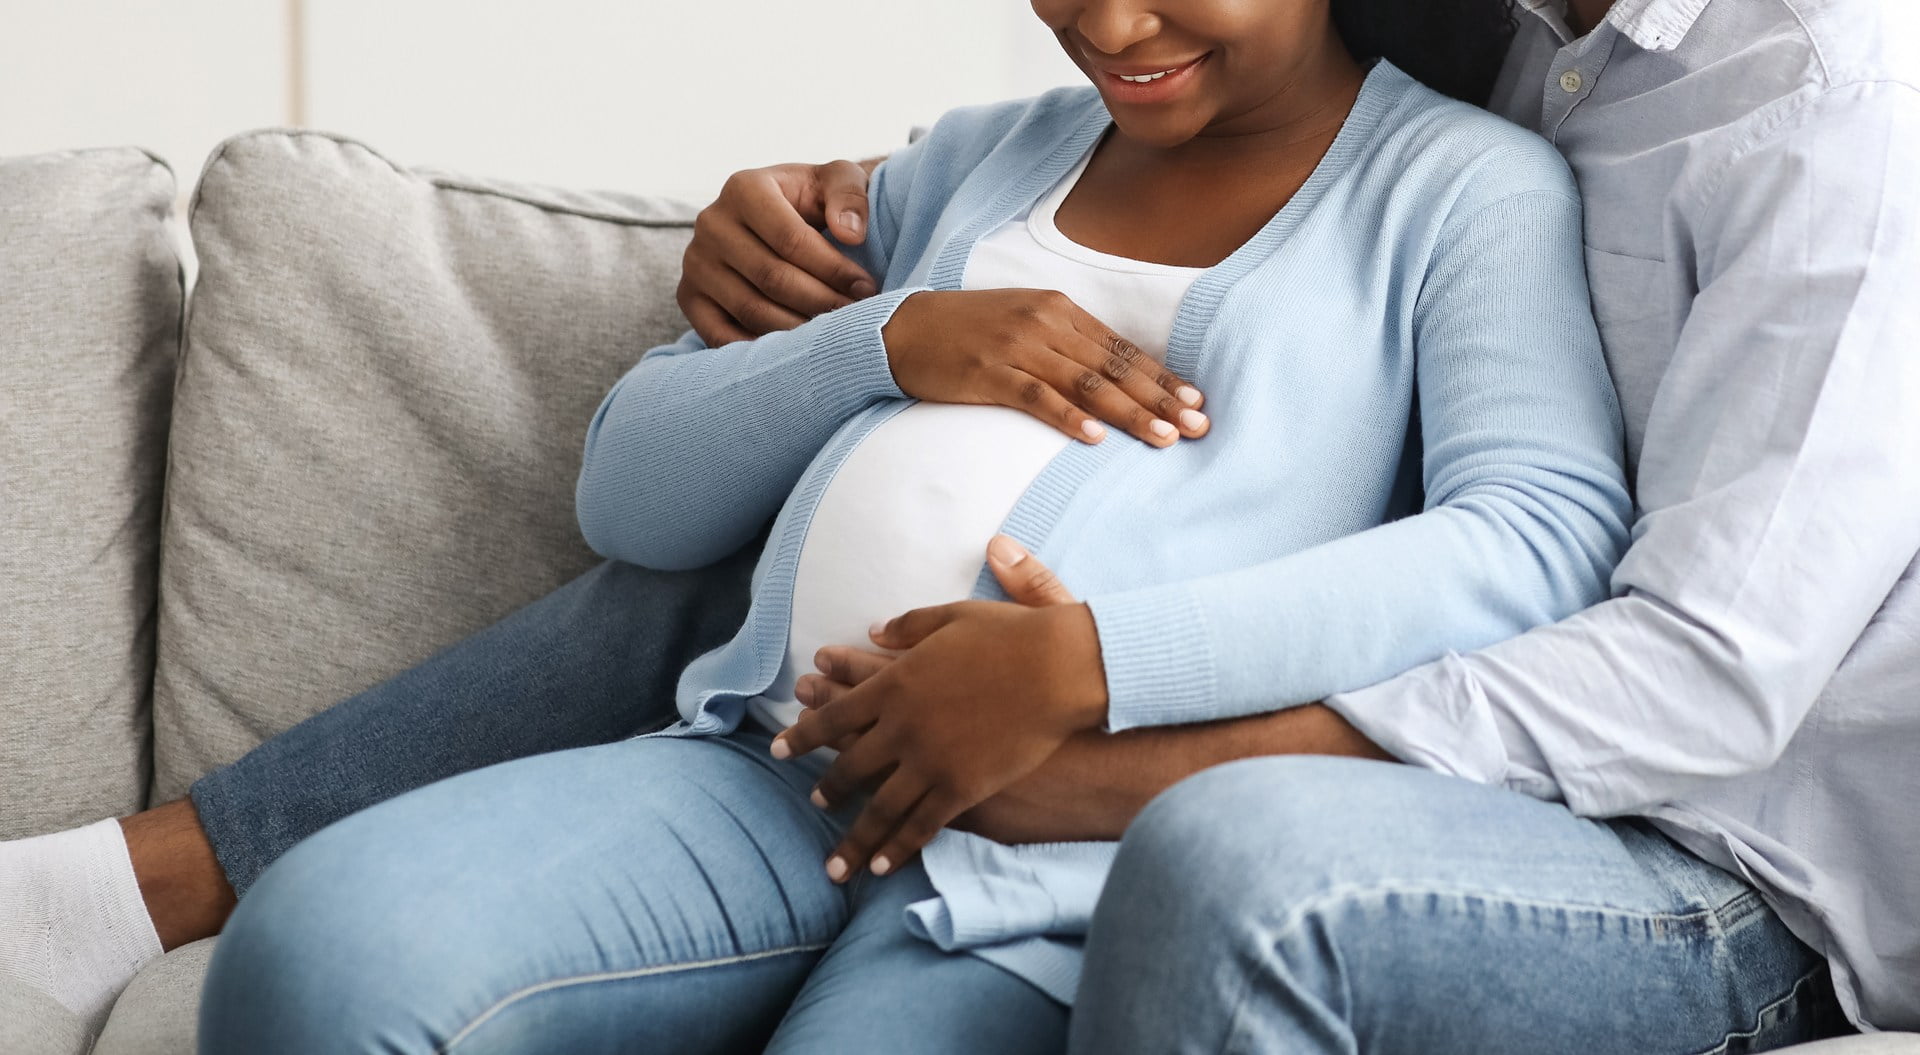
757 263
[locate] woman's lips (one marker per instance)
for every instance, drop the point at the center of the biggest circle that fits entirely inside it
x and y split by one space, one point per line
1163 84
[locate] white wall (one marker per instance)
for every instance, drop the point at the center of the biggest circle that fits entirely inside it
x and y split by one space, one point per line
660 96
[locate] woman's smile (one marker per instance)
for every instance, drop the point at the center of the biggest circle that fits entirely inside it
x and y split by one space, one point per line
1144 84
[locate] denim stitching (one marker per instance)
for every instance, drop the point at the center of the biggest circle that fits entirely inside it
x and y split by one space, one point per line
612 976
1760 1017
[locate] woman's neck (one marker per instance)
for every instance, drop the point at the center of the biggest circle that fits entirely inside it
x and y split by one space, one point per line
1583 15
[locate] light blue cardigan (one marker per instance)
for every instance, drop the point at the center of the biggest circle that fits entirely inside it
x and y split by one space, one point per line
1428 277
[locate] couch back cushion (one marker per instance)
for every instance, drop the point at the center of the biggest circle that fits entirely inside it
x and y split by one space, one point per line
89 334
387 378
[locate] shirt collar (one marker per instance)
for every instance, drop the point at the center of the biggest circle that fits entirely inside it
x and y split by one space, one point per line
1655 25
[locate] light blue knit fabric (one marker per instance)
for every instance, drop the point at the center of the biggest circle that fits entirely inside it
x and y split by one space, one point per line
1428 276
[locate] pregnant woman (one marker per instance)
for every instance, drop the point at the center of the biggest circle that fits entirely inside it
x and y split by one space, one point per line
1380 293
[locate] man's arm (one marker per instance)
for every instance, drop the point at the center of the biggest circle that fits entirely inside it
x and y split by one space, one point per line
1781 483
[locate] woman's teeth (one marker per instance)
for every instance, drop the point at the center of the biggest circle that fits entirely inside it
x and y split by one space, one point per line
1143 79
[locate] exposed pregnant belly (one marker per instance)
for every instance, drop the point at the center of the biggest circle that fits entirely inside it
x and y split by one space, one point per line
904 524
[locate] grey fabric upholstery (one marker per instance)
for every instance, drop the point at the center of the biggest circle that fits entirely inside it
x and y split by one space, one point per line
31 1023
89 328
387 378
158 1014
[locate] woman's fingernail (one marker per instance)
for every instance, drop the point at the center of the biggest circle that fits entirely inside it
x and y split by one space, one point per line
1192 420
1187 394
1093 430
780 749
852 222
818 799
881 866
803 691
1163 429
836 869
877 631
1008 551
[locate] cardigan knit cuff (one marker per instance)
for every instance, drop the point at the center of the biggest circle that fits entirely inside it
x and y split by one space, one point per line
1158 655
851 367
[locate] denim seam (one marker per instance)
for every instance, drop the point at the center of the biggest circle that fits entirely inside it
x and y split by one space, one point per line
612 976
1357 892
1760 1017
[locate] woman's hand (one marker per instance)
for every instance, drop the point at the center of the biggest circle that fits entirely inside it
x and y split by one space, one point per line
757 262
1038 352
983 695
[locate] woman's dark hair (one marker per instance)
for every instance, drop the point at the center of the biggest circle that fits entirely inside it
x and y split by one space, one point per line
1452 46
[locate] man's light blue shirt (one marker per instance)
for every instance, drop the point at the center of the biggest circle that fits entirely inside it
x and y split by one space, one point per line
1751 173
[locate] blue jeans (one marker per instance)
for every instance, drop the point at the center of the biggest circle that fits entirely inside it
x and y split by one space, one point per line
593 662
655 895
1328 905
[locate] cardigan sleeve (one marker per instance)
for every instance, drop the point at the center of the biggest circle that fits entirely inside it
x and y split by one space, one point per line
1526 511
696 448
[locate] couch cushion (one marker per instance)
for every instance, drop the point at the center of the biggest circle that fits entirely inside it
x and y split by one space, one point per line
387 378
89 333
32 1023
159 1012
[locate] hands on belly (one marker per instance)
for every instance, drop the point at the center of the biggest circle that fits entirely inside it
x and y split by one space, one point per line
983 694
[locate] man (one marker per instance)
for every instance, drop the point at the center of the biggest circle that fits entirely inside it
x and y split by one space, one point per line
1749 703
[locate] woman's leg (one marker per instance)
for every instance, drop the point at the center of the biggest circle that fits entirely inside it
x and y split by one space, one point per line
1322 905
880 989
594 661
648 895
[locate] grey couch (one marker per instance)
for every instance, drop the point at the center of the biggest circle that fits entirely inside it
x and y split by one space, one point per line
354 444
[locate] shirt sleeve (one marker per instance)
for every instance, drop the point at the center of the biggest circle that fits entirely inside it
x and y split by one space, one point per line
1781 489
696 448
1526 512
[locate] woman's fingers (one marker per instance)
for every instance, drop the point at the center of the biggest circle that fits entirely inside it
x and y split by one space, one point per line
850 666
1041 399
933 812
1144 380
883 814
1026 580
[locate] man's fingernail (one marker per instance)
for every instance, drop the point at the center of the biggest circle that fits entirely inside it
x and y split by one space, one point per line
1093 430
877 631
852 222
803 691
863 289
780 749
836 869
1192 420
880 866
818 799
1187 394
1165 429
1008 551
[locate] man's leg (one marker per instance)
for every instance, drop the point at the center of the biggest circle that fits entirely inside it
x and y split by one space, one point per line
647 895
1323 905
592 662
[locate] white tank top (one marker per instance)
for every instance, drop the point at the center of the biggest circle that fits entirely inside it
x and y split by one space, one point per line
905 522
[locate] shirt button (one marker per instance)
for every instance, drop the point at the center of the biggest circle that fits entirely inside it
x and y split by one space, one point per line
1571 82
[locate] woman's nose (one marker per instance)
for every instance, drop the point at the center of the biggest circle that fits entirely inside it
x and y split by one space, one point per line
1113 26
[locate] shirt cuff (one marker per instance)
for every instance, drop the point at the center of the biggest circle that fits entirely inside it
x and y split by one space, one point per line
852 365
1435 717
1159 658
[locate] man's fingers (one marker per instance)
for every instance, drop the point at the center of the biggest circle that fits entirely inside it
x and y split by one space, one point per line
713 325
843 188
1026 580
850 666
780 280
790 239
877 821
739 299
814 691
